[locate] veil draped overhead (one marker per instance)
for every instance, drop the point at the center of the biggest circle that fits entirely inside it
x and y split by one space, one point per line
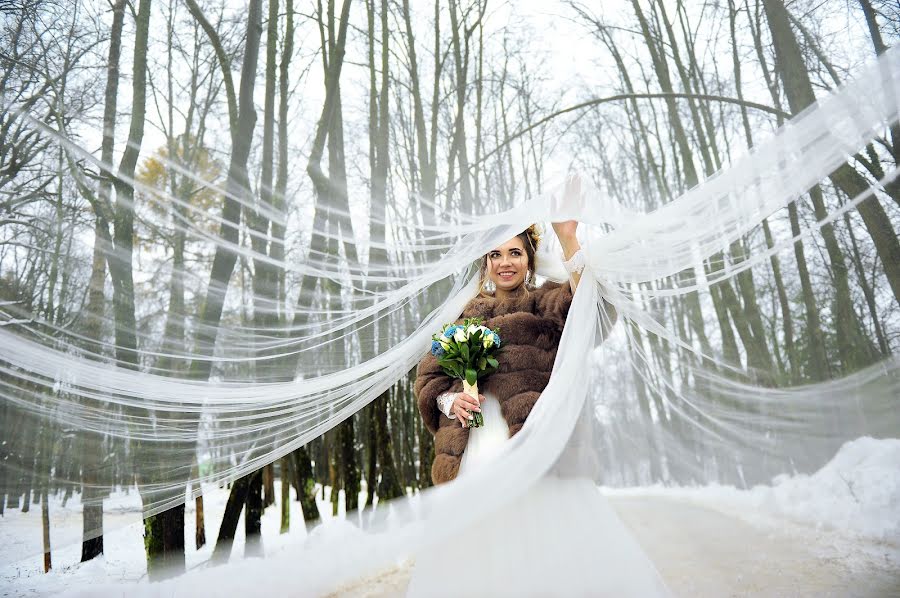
641 404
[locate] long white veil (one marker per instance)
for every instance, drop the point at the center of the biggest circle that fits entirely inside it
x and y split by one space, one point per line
363 324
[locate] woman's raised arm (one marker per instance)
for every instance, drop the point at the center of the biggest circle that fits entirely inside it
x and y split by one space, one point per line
565 231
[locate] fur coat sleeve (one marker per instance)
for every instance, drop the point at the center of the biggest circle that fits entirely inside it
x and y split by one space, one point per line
552 302
431 381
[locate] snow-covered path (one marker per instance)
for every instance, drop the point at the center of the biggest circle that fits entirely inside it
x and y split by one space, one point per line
702 551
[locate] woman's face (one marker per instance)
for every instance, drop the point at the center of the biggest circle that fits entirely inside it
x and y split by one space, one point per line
508 264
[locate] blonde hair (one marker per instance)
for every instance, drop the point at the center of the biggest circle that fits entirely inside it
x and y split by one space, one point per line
531 237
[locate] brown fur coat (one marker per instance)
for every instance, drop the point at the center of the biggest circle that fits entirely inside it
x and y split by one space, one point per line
530 325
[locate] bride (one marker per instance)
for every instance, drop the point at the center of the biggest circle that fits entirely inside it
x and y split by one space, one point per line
560 537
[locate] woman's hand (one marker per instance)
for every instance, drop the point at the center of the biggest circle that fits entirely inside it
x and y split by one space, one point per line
464 403
565 230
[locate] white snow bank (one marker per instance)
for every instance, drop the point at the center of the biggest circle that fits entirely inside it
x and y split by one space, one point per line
858 491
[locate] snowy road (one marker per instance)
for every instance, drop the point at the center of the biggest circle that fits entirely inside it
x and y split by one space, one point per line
704 552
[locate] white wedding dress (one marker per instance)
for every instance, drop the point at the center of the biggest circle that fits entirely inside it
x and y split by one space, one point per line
561 538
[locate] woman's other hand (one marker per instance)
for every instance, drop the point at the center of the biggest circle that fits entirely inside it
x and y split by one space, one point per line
572 197
464 403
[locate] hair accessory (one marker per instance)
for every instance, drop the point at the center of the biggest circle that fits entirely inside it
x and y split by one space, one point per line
534 234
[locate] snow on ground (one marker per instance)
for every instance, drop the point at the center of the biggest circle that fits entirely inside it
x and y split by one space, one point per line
836 532
702 551
857 492
21 548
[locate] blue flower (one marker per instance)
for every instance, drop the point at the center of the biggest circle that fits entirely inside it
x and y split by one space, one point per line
450 330
436 349
496 339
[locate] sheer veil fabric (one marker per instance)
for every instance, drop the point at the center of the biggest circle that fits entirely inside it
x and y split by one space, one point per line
561 537
729 423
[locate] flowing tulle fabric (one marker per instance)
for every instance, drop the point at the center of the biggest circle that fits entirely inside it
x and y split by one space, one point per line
364 325
559 538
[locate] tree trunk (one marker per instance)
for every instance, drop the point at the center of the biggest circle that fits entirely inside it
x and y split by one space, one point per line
866 289
347 464
818 360
236 499
305 484
120 260
461 61
285 464
164 533
388 484
371 456
199 523
92 495
881 48
45 529
799 91
253 514
817 365
268 476
164 543
787 320
237 185
854 347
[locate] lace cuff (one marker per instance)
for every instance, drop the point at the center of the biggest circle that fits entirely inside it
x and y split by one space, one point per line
576 263
445 403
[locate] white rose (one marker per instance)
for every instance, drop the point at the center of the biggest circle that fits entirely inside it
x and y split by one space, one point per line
445 345
471 329
460 335
488 341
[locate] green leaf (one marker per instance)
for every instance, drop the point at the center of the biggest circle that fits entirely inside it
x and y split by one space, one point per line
464 350
493 362
482 363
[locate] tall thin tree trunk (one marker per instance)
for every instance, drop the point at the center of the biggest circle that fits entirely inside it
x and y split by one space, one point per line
817 365
305 484
253 510
799 91
866 289
881 48
233 507
818 359
787 320
285 466
45 530
92 496
225 258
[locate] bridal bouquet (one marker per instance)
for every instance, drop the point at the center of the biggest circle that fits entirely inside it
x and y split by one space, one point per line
466 351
